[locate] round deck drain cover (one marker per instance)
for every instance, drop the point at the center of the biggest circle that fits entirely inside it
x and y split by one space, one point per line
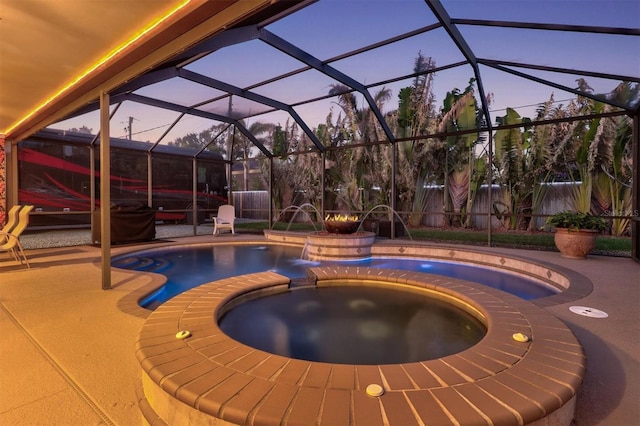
588 312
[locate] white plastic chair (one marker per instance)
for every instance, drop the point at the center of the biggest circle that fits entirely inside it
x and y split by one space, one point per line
225 219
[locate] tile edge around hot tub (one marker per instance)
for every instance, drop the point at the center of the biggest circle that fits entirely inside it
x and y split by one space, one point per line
210 377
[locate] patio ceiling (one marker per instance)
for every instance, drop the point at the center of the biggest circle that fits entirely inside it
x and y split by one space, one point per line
269 69
55 56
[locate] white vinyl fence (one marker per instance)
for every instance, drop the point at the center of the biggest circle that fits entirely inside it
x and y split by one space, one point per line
255 205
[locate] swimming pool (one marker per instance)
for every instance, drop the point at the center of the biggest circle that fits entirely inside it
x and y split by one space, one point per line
190 266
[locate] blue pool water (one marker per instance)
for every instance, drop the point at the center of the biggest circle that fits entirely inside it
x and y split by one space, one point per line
190 266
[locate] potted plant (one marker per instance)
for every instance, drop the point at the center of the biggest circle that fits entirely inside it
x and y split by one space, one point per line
575 233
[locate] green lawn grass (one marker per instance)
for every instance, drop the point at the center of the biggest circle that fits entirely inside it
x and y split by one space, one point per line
619 246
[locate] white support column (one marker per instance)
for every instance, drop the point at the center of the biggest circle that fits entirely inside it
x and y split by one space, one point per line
105 191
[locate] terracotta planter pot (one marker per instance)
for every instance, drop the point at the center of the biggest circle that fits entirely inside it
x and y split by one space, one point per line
575 244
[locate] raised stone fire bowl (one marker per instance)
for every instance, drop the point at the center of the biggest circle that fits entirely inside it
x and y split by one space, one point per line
341 226
326 246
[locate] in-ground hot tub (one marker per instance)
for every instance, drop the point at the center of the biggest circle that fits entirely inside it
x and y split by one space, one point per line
210 377
344 323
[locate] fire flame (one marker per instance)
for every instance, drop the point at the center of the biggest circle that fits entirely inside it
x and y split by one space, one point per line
340 218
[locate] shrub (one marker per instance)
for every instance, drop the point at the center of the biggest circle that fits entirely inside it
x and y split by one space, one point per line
576 221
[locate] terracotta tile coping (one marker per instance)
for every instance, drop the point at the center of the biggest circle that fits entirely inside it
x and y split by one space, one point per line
497 381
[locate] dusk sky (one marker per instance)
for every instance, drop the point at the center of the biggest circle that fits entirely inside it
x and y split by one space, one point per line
331 27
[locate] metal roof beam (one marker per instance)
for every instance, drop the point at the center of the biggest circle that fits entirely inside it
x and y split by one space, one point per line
234 90
304 57
490 62
548 27
118 94
212 139
147 79
225 87
95 105
218 41
443 16
198 113
559 86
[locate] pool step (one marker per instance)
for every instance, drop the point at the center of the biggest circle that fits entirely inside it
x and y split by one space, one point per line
302 282
143 264
161 265
126 262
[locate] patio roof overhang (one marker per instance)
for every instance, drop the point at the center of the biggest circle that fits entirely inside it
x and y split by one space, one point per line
55 57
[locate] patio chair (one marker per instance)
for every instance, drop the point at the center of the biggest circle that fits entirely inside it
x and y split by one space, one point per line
12 243
225 219
11 223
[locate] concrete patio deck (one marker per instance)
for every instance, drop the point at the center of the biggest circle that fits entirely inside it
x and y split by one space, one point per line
67 355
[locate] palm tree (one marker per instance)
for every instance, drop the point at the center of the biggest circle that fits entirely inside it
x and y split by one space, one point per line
416 116
464 173
612 186
280 168
355 170
589 153
513 165
541 165
242 148
591 148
